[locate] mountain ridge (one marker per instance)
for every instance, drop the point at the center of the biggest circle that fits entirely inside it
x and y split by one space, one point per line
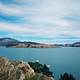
11 42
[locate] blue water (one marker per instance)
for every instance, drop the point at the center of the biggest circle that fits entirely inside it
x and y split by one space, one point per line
61 59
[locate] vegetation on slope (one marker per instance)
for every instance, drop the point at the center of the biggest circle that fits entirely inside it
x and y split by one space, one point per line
39 68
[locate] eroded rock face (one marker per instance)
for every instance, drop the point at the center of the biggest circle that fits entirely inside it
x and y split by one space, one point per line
15 70
19 70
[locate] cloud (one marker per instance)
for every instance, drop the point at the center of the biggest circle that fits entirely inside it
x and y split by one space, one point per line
11 19
13 28
47 19
72 18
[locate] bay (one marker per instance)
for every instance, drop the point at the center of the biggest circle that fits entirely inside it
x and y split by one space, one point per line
60 59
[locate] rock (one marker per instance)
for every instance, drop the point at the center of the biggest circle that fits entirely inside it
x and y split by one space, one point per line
15 70
19 70
40 76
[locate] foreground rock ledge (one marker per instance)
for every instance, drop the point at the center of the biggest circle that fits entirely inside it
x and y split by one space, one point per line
18 70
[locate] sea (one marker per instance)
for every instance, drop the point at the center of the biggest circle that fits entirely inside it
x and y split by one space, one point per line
61 60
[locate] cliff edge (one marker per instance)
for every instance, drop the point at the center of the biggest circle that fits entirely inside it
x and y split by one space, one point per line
18 70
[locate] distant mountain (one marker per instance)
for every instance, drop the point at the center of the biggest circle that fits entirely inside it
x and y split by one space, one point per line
33 43
76 44
8 41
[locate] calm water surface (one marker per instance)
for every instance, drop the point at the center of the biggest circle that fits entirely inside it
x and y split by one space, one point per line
61 59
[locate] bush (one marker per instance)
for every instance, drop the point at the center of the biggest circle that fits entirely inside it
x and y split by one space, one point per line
67 76
39 68
36 77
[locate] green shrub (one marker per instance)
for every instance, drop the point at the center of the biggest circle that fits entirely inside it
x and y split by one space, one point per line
39 68
67 76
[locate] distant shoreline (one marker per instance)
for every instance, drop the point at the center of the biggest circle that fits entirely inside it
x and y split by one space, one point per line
10 42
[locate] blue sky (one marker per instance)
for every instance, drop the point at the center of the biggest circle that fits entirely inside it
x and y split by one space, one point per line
45 21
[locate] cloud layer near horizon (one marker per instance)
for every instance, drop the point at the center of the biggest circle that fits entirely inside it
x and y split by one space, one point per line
46 21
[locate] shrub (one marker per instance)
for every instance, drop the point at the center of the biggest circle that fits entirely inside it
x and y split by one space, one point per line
67 76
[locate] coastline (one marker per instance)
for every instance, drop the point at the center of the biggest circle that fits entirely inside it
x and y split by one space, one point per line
10 42
20 70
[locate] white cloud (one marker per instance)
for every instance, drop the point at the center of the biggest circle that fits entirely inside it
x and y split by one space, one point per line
9 10
63 23
45 16
23 29
13 28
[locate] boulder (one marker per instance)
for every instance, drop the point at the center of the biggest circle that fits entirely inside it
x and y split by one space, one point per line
15 70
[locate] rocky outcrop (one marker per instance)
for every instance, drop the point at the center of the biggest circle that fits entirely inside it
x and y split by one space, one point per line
15 70
19 70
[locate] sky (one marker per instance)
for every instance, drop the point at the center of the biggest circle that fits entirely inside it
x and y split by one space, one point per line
45 21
